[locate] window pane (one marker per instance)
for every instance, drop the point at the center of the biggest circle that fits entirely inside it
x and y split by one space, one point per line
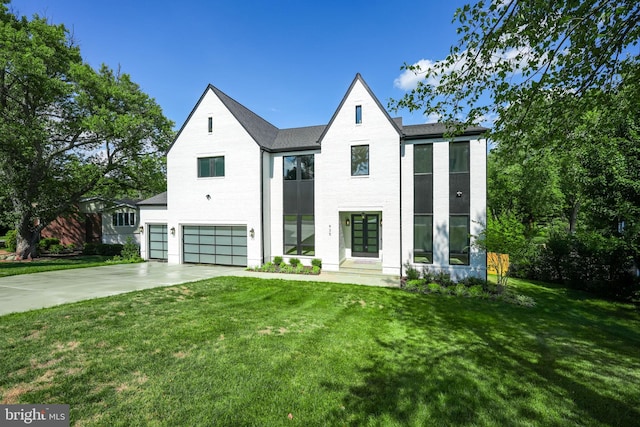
219 166
204 168
459 157
308 231
114 219
290 169
290 230
423 158
306 166
459 239
120 218
358 114
360 160
132 218
210 124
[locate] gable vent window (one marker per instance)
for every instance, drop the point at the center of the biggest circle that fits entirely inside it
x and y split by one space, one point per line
210 124
358 114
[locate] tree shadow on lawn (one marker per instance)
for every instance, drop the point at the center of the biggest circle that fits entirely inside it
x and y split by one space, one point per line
465 361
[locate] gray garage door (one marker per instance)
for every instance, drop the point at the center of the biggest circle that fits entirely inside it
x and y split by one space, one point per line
220 244
158 241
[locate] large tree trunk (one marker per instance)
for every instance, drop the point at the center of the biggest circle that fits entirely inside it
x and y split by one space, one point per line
27 238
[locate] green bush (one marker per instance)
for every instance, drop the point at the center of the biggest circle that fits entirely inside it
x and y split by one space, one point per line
476 291
130 250
277 260
460 290
102 249
316 263
299 268
282 265
415 285
294 262
315 270
70 247
411 272
427 275
11 241
46 243
473 281
56 248
434 288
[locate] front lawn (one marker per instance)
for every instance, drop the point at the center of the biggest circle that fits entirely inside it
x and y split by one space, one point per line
245 351
12 268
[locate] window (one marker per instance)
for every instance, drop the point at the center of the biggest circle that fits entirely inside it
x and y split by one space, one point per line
293 164
210 124
359 160
299 235
423 159
423 239
459 240
458 157
358 114
210 166
121 219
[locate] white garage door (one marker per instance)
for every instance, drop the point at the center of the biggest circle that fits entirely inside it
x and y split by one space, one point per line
215 244
158 241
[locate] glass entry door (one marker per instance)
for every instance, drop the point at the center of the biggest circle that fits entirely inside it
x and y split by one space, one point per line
365 235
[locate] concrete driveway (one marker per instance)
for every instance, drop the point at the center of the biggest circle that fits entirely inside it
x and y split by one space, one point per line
32 291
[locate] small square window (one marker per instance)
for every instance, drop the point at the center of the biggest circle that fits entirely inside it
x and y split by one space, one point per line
359 160
210 166
210 124
358 114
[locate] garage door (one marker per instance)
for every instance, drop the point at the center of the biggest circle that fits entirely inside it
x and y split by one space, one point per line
158 241
220 244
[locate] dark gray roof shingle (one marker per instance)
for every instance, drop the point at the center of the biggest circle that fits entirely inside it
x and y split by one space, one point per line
430 130
158 200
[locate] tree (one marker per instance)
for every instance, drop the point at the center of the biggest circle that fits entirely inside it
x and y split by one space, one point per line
66 128
519 52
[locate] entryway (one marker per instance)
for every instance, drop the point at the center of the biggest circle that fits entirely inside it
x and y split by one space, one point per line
365 235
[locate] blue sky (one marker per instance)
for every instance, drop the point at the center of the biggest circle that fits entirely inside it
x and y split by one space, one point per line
291 62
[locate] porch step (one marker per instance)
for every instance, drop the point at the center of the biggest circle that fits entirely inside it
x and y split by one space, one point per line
361 267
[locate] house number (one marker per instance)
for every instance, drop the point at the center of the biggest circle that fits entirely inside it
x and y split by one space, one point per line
329 229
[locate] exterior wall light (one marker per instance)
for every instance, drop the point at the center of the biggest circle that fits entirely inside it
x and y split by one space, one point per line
252 233
173 231
141 229
347 222
208 196
459 194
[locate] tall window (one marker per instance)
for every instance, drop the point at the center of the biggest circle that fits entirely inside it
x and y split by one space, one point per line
359 160
423 203
459 203
210 124
210 166
298 197
358 114
122 219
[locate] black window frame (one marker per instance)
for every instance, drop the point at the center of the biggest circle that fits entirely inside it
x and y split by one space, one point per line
460 257
358 114
355 166
210 124
212 167
123 219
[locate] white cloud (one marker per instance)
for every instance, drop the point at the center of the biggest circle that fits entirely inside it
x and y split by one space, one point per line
433 118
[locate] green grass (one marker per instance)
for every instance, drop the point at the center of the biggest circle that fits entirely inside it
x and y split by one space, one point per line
12 268
244 351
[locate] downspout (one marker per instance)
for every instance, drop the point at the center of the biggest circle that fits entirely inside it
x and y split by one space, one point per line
262 205
400 167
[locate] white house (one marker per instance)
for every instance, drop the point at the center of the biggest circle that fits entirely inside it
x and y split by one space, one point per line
361 190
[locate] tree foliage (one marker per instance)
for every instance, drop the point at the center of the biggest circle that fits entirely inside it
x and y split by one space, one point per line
66 128
522 53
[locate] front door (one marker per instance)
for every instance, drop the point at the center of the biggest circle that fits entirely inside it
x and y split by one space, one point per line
365 233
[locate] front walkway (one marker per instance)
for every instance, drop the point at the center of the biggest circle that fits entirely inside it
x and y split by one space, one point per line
32 291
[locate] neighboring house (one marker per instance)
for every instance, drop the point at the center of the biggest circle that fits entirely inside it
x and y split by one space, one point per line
97 221
361 190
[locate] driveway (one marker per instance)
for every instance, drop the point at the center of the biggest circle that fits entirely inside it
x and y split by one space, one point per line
32 291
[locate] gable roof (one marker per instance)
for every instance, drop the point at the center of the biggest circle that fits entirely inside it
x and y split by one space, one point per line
272 139
358 78
157 200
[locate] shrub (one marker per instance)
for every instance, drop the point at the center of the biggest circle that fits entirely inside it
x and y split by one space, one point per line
102 249
415 285
411 272
70 247
433 288
11 241
46 243
282 265
315 269
277 260
130 250
473 281
316 262
286 269
460 290
294 262
299 269
427 275
476 291
443 278
56 248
